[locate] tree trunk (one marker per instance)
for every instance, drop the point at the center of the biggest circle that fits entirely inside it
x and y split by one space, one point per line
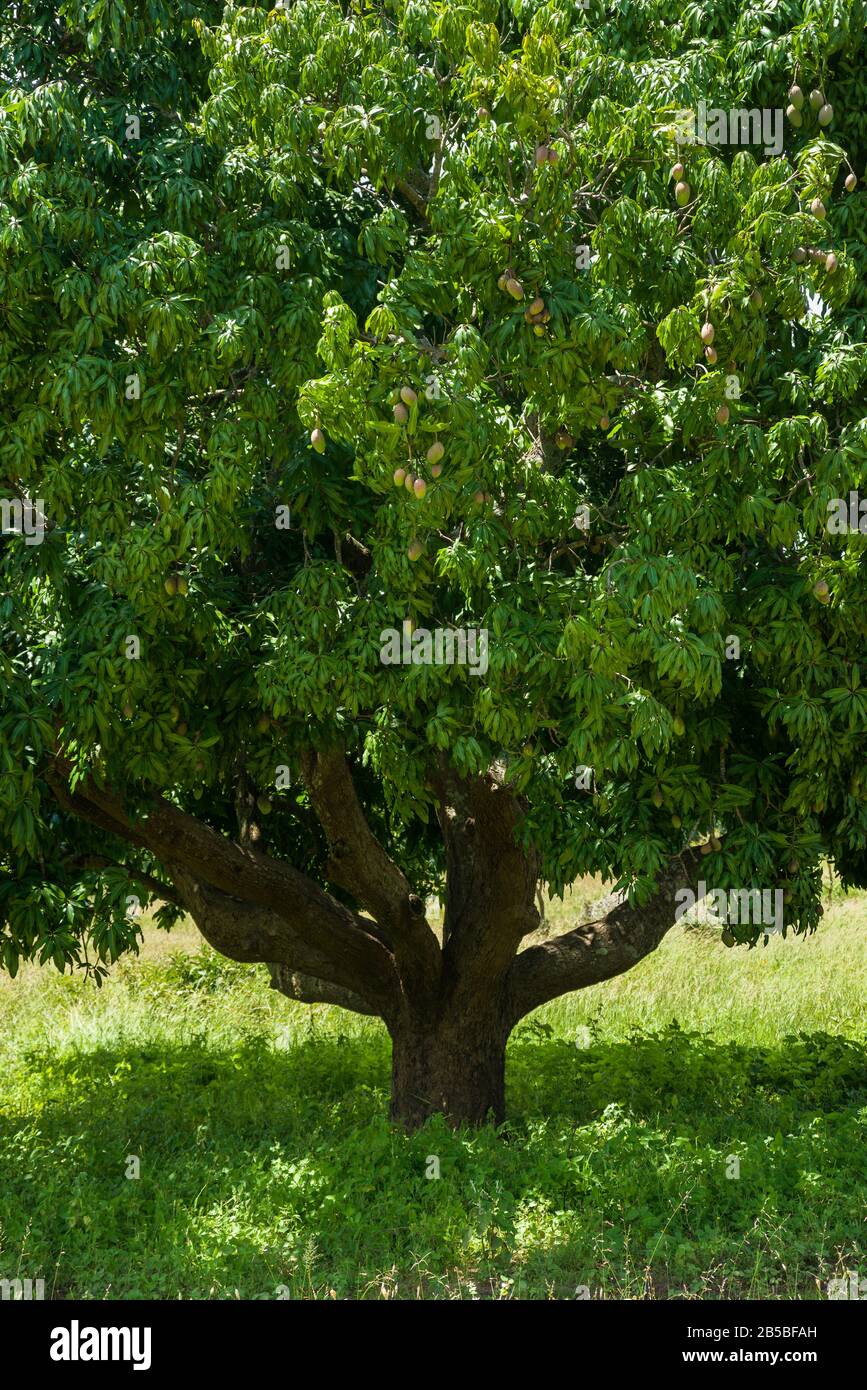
449 1066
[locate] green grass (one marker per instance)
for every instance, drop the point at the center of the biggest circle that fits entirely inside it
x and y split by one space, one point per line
266 1159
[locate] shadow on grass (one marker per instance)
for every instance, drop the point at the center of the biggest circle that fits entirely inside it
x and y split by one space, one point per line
667 1161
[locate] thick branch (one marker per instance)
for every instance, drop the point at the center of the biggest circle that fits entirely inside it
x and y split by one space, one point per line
349 946
359 864
357 860
600 949
253 934
307 989
491 880
412 196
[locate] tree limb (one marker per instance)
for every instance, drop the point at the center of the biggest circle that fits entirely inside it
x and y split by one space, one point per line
359 864
349 948
600 949
307 989
491 879
412 196
245 933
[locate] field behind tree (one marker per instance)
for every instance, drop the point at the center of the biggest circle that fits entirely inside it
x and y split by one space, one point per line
267 1165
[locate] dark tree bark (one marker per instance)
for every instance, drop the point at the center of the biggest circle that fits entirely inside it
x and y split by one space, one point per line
449 1006
454 1064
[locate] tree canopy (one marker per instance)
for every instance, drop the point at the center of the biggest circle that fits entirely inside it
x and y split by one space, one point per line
255 262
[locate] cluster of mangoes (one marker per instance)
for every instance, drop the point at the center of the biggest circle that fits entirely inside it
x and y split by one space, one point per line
795 109
404 477
708 333
682 190
827 259
510 284
537 314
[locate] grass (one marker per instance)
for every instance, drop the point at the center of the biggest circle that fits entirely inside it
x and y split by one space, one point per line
267 1166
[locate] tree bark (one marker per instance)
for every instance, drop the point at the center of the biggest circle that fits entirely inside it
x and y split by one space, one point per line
454 1065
